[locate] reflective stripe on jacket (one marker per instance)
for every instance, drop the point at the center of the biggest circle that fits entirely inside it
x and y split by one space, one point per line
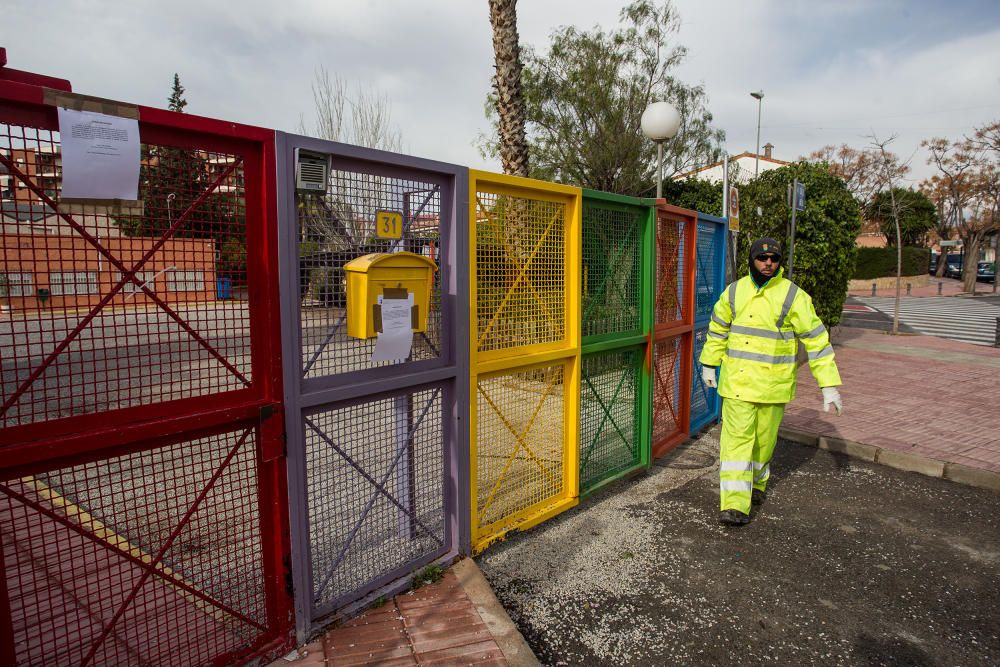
757 345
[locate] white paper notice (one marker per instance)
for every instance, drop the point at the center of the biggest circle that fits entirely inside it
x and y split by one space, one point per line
396 338
100 155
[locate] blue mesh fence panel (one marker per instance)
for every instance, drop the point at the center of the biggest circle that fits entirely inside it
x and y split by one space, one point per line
709 284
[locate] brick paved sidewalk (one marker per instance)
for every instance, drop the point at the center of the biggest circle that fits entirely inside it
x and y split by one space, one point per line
438 624
928 397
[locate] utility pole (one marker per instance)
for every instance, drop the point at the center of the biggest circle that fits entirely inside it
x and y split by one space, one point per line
758 95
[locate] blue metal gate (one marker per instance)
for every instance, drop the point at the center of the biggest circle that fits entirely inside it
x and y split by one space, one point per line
710 281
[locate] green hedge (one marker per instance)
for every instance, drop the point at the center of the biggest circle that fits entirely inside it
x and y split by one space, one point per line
881 262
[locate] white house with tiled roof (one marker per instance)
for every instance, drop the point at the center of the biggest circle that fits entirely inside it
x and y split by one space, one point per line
741 167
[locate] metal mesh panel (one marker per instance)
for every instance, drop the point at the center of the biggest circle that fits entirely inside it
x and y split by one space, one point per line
338 226
147 558
520 271
375 478
611 269
520 441
702 398
671 245
707 259
118 307
609 415
667 419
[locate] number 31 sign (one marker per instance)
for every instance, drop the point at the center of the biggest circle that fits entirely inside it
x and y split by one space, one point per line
388 224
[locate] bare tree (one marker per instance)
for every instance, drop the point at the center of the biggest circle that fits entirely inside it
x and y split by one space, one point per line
341 217
961 183
863 171
368 122
890 169
987 138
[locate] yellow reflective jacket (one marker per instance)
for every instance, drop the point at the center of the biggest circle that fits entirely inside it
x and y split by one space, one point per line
757 345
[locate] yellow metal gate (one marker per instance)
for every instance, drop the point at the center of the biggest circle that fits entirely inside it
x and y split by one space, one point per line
525 352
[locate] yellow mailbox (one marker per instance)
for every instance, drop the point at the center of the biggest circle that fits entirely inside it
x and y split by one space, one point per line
392 276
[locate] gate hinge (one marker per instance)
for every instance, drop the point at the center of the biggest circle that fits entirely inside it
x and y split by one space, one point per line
266 412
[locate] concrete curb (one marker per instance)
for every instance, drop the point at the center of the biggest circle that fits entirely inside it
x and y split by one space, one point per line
512 644
954 472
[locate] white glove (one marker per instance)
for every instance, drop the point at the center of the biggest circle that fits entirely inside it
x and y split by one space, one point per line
708 376
832 397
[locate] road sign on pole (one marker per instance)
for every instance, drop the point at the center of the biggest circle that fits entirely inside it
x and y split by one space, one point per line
798 203
734 210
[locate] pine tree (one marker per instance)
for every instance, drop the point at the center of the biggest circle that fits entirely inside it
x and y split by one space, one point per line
176 101
171 180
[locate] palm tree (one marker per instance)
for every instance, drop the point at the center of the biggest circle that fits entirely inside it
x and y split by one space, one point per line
507 85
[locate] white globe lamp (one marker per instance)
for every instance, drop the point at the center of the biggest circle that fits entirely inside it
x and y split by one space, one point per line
660 121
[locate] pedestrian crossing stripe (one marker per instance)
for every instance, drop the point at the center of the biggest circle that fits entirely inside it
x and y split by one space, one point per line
954 318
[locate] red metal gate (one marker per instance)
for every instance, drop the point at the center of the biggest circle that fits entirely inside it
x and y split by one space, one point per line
673 318
142 474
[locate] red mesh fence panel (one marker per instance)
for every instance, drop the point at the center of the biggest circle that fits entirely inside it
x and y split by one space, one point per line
151 557
114 306
122 323
673 273
670 398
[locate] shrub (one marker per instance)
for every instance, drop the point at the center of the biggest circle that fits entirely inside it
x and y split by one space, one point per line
825 232
881 262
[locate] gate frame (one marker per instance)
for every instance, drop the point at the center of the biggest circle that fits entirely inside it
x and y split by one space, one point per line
682 328
597 343
721 232
306 396
48 444
565 352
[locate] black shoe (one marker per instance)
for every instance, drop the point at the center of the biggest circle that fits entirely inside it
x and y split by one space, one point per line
734 517
757 497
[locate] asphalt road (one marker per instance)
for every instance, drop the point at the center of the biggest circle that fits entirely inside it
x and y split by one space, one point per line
847 563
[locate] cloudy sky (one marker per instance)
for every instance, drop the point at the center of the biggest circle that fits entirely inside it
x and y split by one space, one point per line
832 72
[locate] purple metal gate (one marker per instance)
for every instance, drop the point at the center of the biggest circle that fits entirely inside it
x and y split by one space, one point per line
375 453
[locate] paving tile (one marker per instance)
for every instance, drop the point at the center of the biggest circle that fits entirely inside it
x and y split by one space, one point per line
443 620
375 657
399 646
451 639
462 655
420 633
366 633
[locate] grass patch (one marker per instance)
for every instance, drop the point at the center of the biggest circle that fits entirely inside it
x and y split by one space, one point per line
429 575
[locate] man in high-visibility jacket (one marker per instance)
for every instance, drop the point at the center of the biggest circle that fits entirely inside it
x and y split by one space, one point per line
754 333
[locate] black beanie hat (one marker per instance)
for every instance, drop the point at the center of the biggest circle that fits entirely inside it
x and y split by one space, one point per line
765 245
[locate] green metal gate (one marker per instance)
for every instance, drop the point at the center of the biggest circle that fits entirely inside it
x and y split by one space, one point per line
616 304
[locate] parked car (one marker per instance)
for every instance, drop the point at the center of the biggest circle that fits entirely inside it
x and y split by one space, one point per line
952 270
986 271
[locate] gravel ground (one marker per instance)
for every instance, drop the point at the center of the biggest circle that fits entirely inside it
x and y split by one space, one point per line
846 563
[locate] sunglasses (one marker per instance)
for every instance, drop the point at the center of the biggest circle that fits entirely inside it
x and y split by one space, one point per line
768 258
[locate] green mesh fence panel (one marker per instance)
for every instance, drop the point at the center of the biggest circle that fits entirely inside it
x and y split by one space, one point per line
610 404
612 264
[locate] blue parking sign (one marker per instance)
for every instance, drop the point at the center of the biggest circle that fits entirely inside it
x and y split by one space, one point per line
800 196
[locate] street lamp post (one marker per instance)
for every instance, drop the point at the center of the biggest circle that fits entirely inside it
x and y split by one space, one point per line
758 95
660 121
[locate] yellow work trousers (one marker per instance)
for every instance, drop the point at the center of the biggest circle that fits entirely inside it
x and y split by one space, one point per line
749 433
